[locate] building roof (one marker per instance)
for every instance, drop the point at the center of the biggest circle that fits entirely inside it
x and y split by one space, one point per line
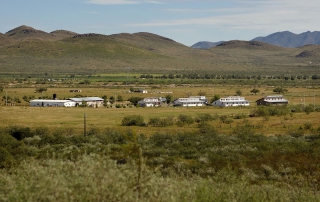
233 99
51 101
86 99
269 98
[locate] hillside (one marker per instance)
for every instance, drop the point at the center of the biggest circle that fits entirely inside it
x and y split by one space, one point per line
25 32
5 40
205 44
61 34
291 40
63 52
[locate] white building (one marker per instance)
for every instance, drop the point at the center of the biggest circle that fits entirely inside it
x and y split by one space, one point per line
233 101
192 101
52 103
90 101
272 100
150 102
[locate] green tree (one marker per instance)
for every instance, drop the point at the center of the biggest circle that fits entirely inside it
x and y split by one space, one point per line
41 89
255 91
238 92
169 99
215 98
135 100
280 90
119 98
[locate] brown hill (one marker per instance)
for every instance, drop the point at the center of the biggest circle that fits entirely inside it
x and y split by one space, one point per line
151 42
146 53
5 40
24 32
249 45
61 34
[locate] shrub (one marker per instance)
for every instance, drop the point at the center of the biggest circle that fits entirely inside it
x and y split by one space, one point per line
204 117
41 130
296 133
19 132
206 128
41 89
308 109
158 122
184 119
133 120
6 159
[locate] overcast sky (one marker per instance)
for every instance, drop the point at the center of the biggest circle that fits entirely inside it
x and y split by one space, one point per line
185 21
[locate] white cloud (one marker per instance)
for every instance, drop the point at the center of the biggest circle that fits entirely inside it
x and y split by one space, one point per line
258 15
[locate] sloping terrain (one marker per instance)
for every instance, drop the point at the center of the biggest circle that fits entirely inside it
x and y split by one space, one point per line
61 34
27 50
24 32
5 40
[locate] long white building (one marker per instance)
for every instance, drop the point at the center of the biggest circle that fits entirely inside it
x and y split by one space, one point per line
233 101
192 101
52 103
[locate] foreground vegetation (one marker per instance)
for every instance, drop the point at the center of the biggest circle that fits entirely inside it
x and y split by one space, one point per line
114 165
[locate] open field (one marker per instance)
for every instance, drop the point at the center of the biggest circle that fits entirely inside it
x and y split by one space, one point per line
66 118
101 118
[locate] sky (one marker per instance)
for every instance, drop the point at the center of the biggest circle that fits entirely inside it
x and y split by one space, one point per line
185 21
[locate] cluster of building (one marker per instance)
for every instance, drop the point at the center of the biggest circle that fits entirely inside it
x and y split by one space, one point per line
192 101
198 101
71 102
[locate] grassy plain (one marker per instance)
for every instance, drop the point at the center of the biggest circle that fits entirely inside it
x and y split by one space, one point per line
102 118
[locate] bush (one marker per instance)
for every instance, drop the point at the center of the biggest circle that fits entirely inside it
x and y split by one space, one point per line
133 120
6 159
20 132
158 122
184 119
308 109
204 117
296 133
206 128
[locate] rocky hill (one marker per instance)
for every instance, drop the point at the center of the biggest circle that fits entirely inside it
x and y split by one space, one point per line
206 44
291 40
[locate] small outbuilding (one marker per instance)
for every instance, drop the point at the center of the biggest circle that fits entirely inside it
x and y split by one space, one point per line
272 100
231 101
150 102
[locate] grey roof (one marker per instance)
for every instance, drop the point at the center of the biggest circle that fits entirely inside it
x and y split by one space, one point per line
86 99
53 101
275 101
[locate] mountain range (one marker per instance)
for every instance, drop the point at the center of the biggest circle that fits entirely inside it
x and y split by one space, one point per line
30 51
284 39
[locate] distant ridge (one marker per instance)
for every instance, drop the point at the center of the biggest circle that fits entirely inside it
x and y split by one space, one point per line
284 39
63 33
205 44
26 32
248 45
291 40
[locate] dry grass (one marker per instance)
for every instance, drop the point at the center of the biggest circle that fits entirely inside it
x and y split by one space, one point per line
112 117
